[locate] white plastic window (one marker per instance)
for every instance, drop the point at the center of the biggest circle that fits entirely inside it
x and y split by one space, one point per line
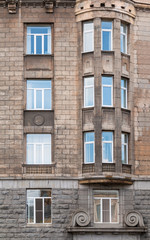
39 206
123 93
107 91
124 32
124 155
89 92
106 206
38 40
107 147
106 36
38 148
39 95
89 147
88 37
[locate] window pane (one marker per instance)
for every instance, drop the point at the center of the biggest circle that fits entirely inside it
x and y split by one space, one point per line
106 40
89 92
107 152
38 99
106 25
33 193
38 153
47 210
38 44
47 153
30 208
88 37
38 138
89 136
107 81
107 96
114 210
39 30
39 211
30 153
38 84
88 42
45 44
107 136
29 44
89 153
30 99
89 97
47 99
97 210
105 210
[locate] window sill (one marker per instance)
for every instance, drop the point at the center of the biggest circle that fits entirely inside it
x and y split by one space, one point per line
37 225
110 229
38 110
111 52
87 52
39 55
125 110
105 107
125 54
39 165
88 108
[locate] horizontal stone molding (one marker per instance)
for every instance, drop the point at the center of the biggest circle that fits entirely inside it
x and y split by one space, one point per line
49 5
114 230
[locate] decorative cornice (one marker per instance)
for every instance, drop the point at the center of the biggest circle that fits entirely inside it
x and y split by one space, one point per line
49 5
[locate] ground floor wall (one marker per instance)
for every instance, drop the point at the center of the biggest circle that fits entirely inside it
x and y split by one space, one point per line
67 197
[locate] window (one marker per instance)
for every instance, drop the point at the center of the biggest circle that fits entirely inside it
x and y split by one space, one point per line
38 148
107 147
39 206
106 206
123 93
89 147
39 95
106 36
89 92
124 155
39 40
124 32
107 91
88 37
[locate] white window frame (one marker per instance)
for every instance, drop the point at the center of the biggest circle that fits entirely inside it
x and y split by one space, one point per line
34 199
126 93
108 198
111 32
87 143
42 35
109 86
39 89
86 87
124 144
35 154
126 36
88 31
111 147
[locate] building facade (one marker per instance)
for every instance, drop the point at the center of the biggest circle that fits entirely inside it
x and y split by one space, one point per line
74 119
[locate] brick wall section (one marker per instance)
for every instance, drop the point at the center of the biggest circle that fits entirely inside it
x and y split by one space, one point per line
142 92
67 134
13 215
67 126
141 204
11 93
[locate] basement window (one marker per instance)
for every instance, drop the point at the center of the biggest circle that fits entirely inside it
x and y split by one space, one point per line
39 206
106 206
